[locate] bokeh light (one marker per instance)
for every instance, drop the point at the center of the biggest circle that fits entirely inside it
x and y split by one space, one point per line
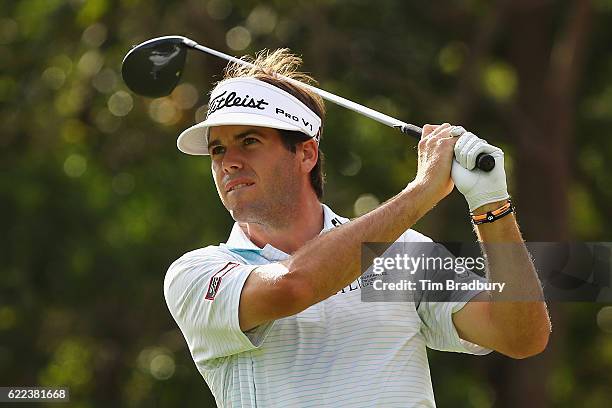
353 166
105 81
75 165
158 362
162 367
364 204
185 96
54 77
120 103
94 35
500 81
90 63
604 319
261 20
452 56
164 111
238 38
70 101
63 62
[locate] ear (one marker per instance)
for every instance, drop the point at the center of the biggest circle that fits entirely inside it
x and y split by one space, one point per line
309 154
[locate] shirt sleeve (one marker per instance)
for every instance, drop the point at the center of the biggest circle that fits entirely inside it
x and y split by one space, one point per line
439 330
436 308
202 290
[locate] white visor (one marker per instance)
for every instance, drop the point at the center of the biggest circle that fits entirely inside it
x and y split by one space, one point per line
249 101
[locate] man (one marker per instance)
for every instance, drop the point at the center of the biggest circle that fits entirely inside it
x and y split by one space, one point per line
274 317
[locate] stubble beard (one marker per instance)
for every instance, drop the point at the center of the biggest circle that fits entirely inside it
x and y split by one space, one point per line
276 204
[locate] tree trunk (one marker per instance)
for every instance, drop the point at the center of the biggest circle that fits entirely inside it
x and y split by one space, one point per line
542 121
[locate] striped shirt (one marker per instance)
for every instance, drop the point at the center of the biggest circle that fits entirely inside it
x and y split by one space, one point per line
341 352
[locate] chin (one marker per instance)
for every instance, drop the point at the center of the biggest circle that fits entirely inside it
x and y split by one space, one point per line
241 212
252 212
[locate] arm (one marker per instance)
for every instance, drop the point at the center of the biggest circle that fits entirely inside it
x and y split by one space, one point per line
331 261
505 321
326 264
514 322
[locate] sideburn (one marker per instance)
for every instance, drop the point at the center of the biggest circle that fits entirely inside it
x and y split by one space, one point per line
317 176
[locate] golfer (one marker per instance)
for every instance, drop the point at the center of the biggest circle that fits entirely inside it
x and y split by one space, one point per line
274 317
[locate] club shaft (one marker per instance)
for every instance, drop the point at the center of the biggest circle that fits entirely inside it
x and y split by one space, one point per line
483 161
338 100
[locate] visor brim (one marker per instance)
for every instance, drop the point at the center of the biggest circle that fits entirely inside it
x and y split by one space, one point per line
194 140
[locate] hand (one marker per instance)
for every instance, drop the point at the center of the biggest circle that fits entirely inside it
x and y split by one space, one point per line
435 153
478 187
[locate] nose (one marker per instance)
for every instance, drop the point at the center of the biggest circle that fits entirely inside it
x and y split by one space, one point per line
232 160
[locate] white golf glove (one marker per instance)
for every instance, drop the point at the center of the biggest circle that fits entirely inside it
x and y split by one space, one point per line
479 187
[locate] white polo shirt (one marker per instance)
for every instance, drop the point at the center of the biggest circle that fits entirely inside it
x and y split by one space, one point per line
341 352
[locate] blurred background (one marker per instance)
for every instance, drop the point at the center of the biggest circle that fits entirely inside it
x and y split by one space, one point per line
96 201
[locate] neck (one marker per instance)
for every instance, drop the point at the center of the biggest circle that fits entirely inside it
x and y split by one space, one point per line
291 236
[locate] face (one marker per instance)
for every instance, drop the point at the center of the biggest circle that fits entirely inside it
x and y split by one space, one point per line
258 179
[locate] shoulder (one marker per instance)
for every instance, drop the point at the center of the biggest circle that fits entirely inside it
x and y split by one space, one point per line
198 263
197 256
209 252
411 235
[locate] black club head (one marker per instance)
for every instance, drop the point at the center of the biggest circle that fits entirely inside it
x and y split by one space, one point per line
154 67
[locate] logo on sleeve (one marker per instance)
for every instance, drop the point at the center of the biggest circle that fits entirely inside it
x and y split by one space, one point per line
215 280
336 222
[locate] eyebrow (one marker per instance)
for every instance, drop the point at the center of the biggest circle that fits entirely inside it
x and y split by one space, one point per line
237 137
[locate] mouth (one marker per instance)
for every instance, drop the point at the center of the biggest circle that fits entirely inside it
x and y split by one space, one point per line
238 186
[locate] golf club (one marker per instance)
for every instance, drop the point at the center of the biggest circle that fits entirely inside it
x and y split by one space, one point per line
154 68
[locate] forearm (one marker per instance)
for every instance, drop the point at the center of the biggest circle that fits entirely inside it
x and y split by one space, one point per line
519 310
333 260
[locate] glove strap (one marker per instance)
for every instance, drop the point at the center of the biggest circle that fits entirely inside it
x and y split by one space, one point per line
492 216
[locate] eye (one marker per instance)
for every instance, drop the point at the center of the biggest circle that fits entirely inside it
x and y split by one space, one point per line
217 150
250 140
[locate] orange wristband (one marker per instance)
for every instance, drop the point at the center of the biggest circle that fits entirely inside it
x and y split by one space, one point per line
492 216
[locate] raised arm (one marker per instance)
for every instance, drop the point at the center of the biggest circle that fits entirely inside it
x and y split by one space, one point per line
515 321
332 261
512 322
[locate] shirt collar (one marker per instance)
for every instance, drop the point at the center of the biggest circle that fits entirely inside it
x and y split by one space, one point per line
239 240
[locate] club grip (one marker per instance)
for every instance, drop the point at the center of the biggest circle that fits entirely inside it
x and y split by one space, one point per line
484 161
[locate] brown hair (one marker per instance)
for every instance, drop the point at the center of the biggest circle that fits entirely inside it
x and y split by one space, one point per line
269 66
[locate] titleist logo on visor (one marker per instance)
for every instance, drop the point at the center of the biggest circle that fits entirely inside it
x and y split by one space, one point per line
221 101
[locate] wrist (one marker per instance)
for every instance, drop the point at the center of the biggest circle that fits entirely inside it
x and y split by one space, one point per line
493 215
483 209
421 197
